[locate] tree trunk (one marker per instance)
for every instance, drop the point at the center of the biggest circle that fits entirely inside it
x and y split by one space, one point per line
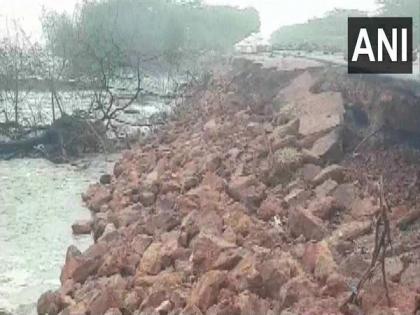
53 106
16 100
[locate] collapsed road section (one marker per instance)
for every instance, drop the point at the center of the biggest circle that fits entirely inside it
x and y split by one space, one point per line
281 186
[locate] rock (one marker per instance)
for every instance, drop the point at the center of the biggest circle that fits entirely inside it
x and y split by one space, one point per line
119 168
189 228
212 162
335 285
345 194
210 222
324 208
238 220
203 197
119 260
350 231
329 147
147 198
206 291
80 268
152 261
206 250
408 219
230 236
213 181
245 276
275 272
326 188
295 290
354 266
211 128
190 182
164 308
334 172
126 216
140 243
165 203
98 196
179 299
171 249
246 189
82 227
309 157
309 171
100 220
373 298
77 309
191 310
289 129
233 154
105 179
411 276
297 197
281 143
352 309
362 209
324 266
152 181
318 260
224 308
102 301
49 304
270 208
72 252
161 222
109 234
170 186
398 213
319 305
227 260
315 123
113 311
302 222
164 281
251 304
132 301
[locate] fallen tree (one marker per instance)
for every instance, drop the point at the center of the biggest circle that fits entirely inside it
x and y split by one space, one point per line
67 138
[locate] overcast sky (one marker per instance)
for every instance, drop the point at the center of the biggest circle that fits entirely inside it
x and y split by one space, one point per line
273 12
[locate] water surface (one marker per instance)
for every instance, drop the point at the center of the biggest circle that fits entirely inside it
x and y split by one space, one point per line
38 203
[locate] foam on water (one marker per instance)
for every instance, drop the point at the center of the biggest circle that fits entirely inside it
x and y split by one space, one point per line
38 203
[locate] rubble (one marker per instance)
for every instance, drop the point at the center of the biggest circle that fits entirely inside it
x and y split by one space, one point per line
234 208
82 227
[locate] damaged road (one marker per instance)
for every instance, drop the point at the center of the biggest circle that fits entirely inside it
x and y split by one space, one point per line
251 201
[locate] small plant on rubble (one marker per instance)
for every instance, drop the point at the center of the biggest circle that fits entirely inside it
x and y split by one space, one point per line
282 165
287 157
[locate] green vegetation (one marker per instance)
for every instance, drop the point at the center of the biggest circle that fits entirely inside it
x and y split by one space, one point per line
403 8
111 46
119 30
330 31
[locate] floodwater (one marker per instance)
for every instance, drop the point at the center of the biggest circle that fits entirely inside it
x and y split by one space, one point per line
38 203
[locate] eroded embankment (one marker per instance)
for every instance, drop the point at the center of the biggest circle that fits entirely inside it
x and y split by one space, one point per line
236 207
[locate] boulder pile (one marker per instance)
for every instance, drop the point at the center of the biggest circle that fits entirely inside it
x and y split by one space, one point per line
236 207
